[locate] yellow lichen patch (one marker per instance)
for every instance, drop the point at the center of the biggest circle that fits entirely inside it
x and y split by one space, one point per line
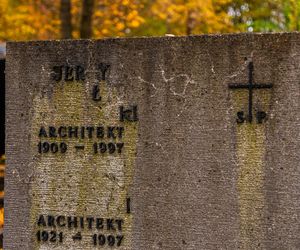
82 183
250 152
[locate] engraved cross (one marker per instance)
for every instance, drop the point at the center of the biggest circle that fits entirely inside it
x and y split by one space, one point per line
250 86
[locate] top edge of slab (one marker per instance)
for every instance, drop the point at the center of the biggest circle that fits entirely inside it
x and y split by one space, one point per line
167 37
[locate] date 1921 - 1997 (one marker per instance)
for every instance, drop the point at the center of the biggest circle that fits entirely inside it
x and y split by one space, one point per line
96 239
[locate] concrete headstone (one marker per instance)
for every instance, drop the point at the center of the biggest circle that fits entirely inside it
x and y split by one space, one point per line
154 143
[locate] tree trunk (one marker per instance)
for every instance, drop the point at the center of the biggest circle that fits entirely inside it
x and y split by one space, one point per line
65 17
190 23
86 19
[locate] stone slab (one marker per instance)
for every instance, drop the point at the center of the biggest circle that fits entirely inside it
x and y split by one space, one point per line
193 171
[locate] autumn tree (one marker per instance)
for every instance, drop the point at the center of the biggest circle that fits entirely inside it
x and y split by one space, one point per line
29 19
257 15
106 18
185 17
117 17
53 19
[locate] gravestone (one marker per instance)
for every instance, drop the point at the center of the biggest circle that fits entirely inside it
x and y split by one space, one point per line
153 143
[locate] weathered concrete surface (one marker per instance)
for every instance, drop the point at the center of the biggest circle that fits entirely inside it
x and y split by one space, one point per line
196 178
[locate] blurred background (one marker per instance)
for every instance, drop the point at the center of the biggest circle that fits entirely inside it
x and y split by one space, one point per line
73 19
56 19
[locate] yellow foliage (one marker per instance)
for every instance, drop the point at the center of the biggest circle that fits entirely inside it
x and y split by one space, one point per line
31 19
120 26
134 24
40 19
193 16
117 18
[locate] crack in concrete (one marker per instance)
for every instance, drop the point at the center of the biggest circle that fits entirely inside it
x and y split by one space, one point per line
241 69
166 80
150 83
